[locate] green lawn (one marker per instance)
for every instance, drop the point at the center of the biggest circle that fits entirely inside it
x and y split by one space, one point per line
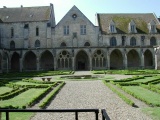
142 93
23 98
18 116
146 79
154 112
26 83
4 89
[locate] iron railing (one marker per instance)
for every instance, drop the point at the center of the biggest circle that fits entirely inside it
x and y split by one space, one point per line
104 115
76 111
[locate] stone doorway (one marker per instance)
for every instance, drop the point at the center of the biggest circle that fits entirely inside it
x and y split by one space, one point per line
82 61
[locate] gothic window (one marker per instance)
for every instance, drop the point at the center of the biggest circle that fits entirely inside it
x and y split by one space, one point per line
66 30
87 44
83 29
37 31
37 43
64 60
12 45
133 41
12 32
63 44
113 41
132 27
153 41
142 40
123 40
152 27
112 27
98 59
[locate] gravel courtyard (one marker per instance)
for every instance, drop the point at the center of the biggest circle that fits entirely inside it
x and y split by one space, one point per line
90 95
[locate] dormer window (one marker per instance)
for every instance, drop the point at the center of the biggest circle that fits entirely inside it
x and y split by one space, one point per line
152 27
132 27
112 27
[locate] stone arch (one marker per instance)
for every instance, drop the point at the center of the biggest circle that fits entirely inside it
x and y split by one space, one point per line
37 43
153 41
98 60
113 41
64 60
12 45
5 62
133 41
82 60
15 62
29 62
133 59
87 44
63 44
116 59
148 59
47 61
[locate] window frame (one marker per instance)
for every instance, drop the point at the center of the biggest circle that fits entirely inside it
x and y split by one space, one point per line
83 30
66 30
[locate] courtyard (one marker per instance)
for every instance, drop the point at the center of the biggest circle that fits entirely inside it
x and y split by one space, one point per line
132 94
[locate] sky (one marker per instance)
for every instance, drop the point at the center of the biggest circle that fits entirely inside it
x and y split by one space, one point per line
90 7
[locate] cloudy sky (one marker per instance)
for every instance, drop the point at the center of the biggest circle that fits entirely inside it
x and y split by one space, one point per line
91 7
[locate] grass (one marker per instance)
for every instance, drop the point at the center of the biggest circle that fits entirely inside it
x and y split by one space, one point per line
4 89
18 116
22 100
146 95
26 83
146 79
154 112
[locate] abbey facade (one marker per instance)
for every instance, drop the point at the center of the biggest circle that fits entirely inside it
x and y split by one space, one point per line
31 40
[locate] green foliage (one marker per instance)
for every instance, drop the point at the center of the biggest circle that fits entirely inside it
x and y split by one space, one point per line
50 96
127 100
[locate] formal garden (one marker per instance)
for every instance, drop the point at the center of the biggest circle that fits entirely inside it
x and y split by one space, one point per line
22 91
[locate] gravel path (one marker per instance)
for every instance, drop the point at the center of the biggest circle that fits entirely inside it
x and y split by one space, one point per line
90 95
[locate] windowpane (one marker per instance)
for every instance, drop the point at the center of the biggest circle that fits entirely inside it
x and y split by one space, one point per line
133 41
83 29
37 31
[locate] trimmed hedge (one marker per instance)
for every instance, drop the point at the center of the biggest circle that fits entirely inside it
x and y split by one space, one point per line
53 93
150 87
122 96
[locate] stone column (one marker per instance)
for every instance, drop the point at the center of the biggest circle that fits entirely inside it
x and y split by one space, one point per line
108 61
55 63
21 65
37 63
90 62
125 61
73 63
142 60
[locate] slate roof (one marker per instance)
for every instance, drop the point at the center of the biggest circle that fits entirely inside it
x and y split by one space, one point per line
122 21
25 14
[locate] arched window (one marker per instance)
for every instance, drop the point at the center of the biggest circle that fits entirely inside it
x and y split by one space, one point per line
37 43
87 44
63 44
153 41
12 45
133 41
113 41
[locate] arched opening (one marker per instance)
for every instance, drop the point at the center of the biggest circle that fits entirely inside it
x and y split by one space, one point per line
5 62
82 61
0 63
133 41
64 60
116 59
63 44
29 62
47 61
15 63
148 59
98 60
113 41
133 59
153 41
37 43
12 45
87 44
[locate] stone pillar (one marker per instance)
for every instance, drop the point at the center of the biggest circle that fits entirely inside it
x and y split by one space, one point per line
142 60
90 62
37 63
108 61
55 63
21 64
73 64
125 60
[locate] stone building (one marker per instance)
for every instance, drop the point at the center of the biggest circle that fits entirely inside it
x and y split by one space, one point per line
31 40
